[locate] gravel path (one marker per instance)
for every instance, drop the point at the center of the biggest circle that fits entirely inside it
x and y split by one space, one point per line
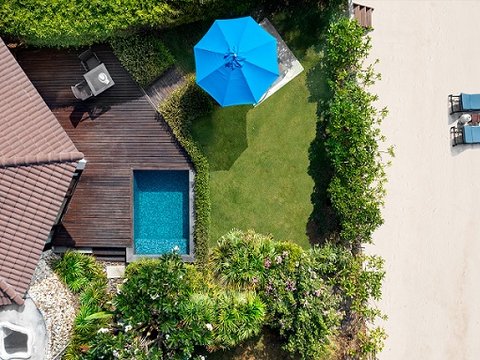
55 302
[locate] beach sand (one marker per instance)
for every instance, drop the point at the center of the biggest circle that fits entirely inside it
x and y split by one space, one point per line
431 236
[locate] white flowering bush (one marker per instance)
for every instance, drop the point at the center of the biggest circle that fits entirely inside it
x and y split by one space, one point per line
170 308
299 303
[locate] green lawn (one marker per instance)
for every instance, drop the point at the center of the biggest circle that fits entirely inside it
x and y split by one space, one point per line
259 160
259 156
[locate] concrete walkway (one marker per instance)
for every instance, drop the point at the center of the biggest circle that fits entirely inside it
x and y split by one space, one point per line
431 235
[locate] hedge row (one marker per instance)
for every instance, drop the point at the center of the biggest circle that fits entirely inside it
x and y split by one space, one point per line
144 57
65 23
185 105
352 134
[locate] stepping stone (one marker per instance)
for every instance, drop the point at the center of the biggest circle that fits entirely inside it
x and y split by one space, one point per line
115 272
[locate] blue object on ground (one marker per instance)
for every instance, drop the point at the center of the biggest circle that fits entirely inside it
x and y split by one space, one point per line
470 101
236 61
471 134
161 211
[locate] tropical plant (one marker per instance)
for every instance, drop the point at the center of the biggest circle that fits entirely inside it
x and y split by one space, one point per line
164 303
110 344
77 270
357 279
239 258
299 303
144 57
238 317
85 277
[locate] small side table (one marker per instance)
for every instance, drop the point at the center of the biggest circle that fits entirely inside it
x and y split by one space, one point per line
98 79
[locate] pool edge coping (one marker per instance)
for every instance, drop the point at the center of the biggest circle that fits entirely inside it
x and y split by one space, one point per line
130 255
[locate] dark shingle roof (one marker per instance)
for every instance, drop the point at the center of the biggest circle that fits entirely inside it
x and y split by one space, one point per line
37 161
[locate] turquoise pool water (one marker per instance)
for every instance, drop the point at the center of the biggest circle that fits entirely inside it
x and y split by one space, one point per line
161 211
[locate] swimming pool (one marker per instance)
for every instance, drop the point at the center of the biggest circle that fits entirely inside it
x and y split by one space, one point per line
161 208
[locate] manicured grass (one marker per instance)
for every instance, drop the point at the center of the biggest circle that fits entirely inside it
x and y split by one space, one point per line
259 157
259 162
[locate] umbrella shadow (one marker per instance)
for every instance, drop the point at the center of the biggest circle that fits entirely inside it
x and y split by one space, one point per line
222 135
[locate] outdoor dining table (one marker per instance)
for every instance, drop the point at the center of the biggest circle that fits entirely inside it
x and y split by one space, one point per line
99 79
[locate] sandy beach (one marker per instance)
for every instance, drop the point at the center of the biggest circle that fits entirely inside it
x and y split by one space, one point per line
431 236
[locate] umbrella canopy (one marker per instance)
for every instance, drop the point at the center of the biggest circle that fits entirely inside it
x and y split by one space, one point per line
236 61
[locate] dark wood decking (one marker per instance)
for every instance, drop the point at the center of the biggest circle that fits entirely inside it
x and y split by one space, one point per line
159 91
117 131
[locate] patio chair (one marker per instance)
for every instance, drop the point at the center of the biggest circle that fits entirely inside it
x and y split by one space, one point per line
82 91
89 60
464 102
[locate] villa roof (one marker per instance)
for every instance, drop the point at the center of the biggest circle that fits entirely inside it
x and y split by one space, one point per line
37 162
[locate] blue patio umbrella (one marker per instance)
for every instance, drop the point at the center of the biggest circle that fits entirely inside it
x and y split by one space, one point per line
236 61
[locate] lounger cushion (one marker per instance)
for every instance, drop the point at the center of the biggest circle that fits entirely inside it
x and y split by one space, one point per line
471 134
470 101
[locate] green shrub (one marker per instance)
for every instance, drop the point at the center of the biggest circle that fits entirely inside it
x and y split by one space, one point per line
121 345
357 279
163 303
239 258
144 57
185 105
66 23
299 303
78 270
351 126
238 317
157 300
311 322
85 277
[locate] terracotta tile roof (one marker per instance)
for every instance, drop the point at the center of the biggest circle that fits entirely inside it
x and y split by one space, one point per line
37 162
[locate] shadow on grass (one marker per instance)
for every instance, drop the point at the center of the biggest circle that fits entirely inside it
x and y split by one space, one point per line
180 41
222 135
266 346
323 223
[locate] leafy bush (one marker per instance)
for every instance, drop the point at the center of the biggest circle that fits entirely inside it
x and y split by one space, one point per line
352 134
239 259
299 303
238 317
157 301
358 281
185 105
85 277
78 270
163 303
144 57
66 23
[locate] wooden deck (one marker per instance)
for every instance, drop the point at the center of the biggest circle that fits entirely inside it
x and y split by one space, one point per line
159 91
117 131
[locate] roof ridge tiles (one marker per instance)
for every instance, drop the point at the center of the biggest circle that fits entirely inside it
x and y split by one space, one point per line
48 158
37 163
8 290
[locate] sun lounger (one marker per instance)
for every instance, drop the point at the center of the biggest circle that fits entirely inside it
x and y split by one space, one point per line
464 103
471 134
466 134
